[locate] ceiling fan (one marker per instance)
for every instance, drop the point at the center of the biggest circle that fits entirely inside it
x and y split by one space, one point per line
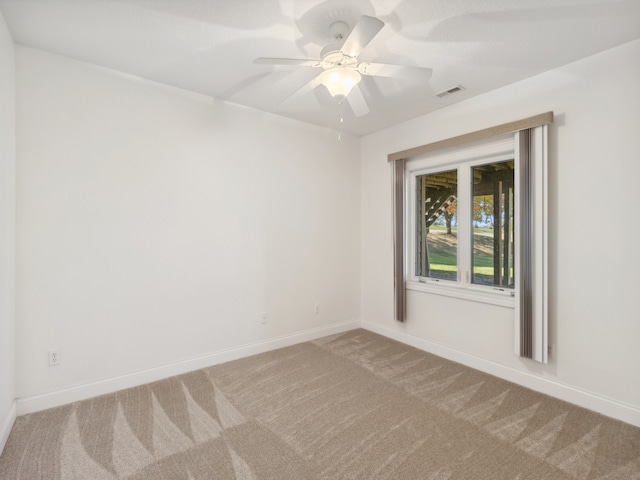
342 71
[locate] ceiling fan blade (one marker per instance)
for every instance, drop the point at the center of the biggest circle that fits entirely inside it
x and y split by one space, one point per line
395 71
357 102
302 62
306 88
363 32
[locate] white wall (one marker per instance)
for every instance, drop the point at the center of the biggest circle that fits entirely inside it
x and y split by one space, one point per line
155 225
594 235
7 231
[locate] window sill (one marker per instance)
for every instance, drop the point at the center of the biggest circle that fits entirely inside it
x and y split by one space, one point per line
473 294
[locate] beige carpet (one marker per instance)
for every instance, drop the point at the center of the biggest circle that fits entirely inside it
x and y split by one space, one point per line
349 406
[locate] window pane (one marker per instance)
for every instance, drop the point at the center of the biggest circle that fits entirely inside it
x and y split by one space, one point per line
436 232
493 224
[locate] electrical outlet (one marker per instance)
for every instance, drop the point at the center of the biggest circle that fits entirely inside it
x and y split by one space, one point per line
263 318
54 357
551 349
316 308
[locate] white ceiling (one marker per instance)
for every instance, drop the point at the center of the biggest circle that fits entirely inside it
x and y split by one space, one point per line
208 46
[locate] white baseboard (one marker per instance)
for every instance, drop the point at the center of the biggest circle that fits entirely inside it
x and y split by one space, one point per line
82 392
606 406
7 425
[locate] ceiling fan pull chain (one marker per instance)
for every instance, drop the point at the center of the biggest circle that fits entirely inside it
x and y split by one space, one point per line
340 118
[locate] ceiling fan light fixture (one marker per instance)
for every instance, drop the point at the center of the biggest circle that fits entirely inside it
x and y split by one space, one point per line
340 81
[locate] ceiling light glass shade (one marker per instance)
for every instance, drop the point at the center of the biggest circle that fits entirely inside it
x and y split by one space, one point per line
340 81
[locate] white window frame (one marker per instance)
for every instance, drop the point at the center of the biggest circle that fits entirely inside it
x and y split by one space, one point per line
463 158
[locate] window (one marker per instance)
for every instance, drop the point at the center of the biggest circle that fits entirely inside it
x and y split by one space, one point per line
493 238
494 194
436 210
462 222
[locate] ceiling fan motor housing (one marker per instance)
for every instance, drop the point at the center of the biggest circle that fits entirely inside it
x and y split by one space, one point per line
332 56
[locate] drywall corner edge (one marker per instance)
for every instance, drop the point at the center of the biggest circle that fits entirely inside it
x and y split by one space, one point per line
57 398
598 403
7 425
